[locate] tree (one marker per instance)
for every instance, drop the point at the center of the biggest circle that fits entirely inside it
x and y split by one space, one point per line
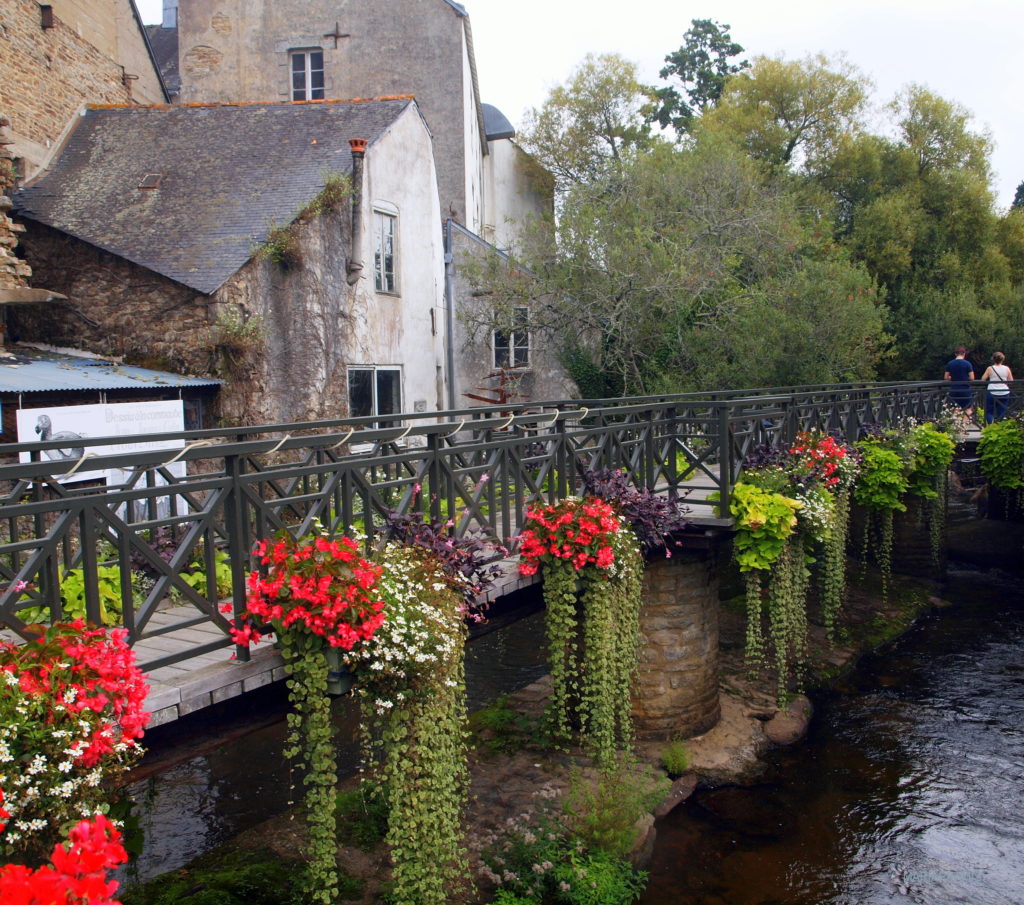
590 123
701 65
1018 198
654 272
791 114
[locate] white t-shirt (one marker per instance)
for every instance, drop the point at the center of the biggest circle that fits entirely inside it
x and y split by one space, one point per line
998 374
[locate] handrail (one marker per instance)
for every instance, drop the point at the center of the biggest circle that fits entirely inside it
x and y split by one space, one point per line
183 511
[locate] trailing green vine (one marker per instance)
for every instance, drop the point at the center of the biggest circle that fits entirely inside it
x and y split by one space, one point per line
315 593
789 503
592 574
410 681
880 487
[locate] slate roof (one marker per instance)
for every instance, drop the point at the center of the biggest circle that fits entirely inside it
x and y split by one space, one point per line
496 124
228 174
164 44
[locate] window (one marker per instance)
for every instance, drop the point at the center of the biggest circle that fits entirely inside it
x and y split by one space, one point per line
307 75
512 344
374 391
384 251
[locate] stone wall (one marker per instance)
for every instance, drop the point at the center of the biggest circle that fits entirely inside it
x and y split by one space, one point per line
47 75
13 271
677 687
290 366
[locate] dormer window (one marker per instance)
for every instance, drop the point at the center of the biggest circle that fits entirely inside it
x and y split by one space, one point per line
307 71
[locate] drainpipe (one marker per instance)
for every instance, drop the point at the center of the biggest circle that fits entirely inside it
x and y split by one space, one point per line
355 264
449 311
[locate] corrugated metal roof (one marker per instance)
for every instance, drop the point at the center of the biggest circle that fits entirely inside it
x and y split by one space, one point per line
27 373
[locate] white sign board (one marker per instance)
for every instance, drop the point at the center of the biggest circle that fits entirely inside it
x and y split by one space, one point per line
74 423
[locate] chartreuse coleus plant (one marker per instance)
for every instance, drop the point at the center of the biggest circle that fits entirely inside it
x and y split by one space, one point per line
410 682
316 593
590 561
1001 449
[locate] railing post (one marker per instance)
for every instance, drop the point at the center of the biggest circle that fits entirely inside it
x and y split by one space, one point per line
90 574
725 476
234 523
437 492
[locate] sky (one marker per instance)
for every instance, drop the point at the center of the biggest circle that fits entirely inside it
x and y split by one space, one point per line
969 52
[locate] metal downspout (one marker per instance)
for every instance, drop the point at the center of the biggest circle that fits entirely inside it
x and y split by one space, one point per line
449 311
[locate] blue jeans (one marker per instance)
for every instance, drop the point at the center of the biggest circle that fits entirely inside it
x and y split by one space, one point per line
996 407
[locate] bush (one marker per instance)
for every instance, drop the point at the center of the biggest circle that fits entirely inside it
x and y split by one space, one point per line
675 758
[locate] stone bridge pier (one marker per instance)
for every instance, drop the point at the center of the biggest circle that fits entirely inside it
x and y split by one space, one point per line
676 693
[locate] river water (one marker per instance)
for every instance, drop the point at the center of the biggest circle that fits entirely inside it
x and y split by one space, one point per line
909 788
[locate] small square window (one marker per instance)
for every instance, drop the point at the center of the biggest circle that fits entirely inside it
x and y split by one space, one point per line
384 252
512 343
307 75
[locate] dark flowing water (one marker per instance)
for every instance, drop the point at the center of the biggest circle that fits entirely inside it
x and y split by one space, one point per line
909 789
202 783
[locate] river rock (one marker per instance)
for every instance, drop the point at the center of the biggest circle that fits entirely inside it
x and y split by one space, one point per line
643 842
681 789
789 726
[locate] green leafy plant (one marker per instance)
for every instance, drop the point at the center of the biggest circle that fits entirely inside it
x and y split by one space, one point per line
198 580
602 813
592 582
675 758
410 681
1001 449
765 520
316 593
72 597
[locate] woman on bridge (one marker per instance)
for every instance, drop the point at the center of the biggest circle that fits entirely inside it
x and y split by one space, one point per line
997 393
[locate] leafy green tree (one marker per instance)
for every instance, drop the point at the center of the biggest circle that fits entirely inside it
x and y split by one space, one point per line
1018 198
701 66
663 277
791 114
590 123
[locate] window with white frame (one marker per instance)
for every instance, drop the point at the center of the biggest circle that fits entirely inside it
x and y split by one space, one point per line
374 391
385 257
512 343
307 72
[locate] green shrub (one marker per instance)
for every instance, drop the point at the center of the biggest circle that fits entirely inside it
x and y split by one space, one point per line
597 878
603 815
675 758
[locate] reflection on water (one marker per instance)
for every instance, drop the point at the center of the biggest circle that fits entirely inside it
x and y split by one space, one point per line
908 790
203 788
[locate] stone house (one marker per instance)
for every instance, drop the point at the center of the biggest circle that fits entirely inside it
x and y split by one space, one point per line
297 50
151 219
251 241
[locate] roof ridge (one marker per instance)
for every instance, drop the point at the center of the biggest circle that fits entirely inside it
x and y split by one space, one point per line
322 102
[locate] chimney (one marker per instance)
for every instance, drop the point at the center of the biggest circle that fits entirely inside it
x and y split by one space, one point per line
170 14
355 264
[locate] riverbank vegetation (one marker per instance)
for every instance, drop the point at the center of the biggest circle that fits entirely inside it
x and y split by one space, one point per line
753 224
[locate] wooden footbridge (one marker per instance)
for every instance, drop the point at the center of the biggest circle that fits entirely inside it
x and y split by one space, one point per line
169 545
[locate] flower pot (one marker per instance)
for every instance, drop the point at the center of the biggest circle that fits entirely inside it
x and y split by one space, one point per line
339 679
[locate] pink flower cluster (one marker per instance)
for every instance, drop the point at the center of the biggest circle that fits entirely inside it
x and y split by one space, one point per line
77 873
579 531
322 585
84 674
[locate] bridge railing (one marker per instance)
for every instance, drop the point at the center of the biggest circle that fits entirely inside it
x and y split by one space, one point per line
143 532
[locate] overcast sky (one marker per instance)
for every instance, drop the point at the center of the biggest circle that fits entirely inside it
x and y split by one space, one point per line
969 52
